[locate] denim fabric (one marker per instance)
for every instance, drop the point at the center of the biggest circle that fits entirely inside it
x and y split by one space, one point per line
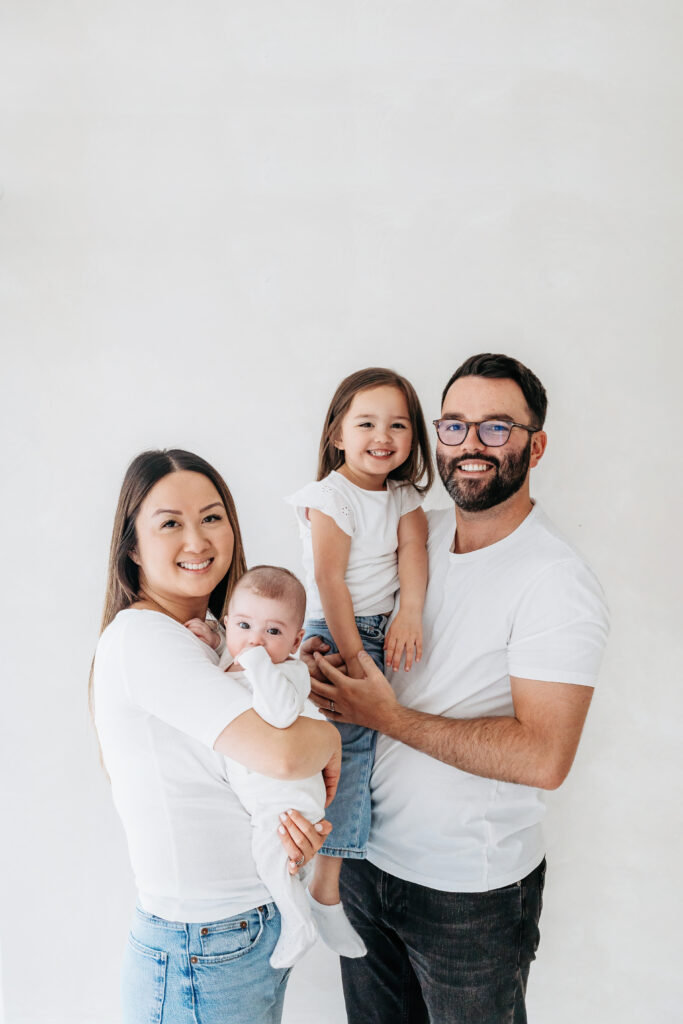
213 973
439 957
349 812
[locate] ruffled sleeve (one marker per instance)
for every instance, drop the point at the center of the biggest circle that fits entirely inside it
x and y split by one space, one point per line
409 499
324 496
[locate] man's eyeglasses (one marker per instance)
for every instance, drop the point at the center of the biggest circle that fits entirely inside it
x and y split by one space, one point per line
492 433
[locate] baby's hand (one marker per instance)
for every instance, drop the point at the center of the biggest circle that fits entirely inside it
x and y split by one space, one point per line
404 634
206 631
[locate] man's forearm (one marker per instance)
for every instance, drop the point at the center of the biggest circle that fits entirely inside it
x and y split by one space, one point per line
495 748
535 746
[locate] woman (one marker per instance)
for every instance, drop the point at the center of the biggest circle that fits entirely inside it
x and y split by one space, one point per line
165 713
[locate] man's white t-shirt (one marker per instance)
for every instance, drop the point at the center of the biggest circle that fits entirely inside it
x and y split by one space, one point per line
370 519
161 702
527 606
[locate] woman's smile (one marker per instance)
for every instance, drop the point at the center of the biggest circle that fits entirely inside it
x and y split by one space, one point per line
184 543
196 566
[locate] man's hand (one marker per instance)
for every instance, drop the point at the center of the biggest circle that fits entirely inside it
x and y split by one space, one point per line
307 652
369 701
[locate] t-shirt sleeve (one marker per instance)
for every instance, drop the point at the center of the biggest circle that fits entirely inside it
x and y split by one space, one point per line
410 499
174 676
560 626
325 497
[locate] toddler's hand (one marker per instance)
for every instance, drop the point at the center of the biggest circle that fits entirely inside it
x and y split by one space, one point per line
206 631
404 634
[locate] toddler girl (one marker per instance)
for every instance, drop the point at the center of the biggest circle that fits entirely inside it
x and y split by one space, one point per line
364 533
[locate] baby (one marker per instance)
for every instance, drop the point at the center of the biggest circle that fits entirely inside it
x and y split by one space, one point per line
263 631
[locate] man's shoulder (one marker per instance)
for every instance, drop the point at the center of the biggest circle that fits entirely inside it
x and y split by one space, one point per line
544 543
440 527
552 571
439 518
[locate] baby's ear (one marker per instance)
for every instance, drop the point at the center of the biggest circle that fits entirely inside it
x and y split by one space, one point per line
299 637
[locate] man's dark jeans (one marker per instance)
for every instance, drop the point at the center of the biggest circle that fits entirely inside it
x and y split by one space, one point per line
438 957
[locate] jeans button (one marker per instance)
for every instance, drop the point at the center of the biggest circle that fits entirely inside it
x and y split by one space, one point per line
193 959
204 931
243 924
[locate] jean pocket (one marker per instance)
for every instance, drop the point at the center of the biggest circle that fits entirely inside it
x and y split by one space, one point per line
231 938
370 632
143 983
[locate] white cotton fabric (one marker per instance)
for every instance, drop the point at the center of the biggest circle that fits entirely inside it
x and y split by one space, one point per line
529 607
161 701
279 694
370 518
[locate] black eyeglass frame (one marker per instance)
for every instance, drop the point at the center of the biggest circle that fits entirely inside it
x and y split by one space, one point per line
477 424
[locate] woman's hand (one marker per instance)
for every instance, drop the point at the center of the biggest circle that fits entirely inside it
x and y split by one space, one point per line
331 773
404 634
300 838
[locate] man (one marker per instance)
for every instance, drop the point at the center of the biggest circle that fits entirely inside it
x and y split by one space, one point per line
449 898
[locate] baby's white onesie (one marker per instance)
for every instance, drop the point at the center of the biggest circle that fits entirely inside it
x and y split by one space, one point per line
279 696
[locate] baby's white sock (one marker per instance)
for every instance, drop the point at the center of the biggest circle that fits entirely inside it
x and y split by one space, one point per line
335 929
292 944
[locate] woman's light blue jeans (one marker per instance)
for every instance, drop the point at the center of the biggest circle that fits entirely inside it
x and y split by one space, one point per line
349 812
213 973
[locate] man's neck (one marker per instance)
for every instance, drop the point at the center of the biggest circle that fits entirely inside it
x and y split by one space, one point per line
475 530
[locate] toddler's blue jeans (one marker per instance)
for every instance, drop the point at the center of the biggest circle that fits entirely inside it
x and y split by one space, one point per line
349 812
213 973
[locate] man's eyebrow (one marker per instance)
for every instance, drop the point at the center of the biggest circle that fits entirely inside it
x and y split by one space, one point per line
489 416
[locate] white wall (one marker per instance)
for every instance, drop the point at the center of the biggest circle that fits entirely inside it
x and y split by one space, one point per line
210 213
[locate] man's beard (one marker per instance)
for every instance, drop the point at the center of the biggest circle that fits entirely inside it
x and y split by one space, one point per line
475 495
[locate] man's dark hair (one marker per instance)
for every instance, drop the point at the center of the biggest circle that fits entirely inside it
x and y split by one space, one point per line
489 364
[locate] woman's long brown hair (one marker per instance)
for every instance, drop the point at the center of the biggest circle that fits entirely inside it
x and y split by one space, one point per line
123 576
419 462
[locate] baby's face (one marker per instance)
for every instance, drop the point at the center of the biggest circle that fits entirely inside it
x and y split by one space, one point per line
255 621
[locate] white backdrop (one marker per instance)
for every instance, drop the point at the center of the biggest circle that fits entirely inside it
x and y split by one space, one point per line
210 213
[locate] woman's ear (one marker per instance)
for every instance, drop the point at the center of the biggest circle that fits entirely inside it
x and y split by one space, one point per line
134 557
